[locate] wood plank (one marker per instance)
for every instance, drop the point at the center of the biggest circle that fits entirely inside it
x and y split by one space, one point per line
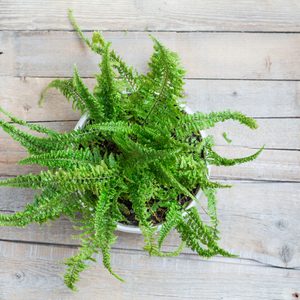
11 151
271 165
258 221
273 133
217 55
255 98
173 15
34 272
280 165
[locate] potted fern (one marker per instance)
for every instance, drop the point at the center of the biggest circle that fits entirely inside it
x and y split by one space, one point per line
136 161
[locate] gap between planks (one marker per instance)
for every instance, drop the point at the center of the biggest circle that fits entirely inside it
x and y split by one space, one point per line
184 255
35 272
253 223
263 56
175 15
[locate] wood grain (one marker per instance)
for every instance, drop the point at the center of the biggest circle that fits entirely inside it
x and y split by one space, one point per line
267 134
258 221
242 55
280 99
175 15
273 133
31 272
272 164
282 165
204 54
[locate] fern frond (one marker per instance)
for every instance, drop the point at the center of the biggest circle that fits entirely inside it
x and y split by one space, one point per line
189 124
47 206
106 217
64 159
81 178
198 236
217 160
173 217
210 194
94 107
76 27
78 262
168 177
163 85
66 87
106 91
113 126
97 45
34 127
141 190
32 143
88 134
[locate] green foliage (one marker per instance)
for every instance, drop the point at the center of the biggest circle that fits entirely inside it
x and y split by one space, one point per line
106 216
66 87
226 138
140 160
78 262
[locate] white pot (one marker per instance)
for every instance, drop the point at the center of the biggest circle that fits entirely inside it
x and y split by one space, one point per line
132 228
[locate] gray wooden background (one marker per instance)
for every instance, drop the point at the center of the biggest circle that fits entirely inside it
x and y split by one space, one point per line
243 55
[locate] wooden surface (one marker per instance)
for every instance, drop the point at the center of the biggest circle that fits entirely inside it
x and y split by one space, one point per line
243 55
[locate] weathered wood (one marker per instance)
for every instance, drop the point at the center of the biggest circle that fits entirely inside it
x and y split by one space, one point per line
256 73
273 133
271 165
257 221
11 151
204 54
280 165
169 15
35 272
255 98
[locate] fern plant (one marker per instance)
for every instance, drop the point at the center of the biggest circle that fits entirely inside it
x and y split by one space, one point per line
139 160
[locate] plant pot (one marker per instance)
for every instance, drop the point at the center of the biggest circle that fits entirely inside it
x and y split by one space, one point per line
132 228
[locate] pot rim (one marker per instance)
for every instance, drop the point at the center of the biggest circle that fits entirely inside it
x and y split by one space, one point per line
133 228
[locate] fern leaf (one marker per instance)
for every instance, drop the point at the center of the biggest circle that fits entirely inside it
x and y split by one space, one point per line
105 225
32 143
141 191
210 194
34 127
81 178
66 87
97 45
47 206
163 85
93 106
78 262
173 217
64 159
106 90
189 124
198 236
215 159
